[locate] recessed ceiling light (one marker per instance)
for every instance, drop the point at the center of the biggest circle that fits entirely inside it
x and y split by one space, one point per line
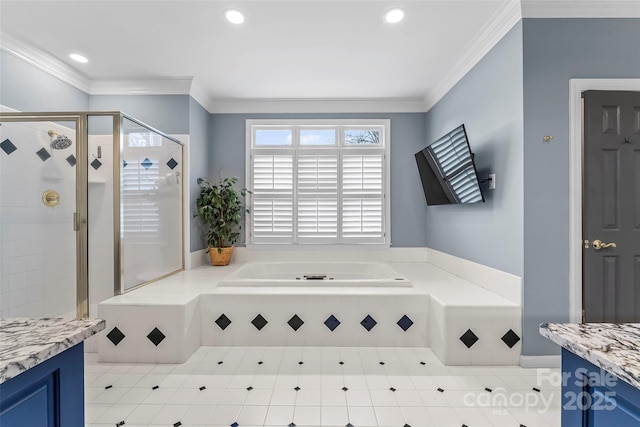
234 16
78 58
394 15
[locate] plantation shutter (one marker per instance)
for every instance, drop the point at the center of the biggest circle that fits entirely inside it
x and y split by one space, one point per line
139 211
272 209
362 197
317 205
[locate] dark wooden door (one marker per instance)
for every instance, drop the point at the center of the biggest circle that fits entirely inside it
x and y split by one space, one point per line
611 207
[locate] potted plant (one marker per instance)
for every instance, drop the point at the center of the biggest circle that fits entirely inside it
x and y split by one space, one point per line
220 208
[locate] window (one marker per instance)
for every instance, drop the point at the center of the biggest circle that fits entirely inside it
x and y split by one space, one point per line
318 182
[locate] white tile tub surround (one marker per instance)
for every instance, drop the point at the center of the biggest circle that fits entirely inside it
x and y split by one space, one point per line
441 305
37 271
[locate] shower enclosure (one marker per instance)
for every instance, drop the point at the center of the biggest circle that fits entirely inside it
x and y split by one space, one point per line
91 206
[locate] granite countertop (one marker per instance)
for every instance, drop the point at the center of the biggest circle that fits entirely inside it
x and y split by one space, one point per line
610 346
24 343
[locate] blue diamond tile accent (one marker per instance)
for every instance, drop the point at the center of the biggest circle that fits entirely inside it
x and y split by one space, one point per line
43 154
96 164
295 322
124 164
7 146
235 425
332 323
469 338
156 336
146 163
368 323
71 160
172 163
405 323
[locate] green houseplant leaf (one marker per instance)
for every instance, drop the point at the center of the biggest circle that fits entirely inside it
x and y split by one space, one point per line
220 208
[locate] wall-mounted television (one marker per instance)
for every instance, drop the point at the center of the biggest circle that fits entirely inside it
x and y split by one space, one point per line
448 171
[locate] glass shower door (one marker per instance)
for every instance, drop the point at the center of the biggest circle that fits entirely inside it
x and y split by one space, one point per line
38 275
150 205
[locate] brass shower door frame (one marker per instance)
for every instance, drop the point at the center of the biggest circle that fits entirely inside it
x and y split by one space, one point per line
80 214
80 219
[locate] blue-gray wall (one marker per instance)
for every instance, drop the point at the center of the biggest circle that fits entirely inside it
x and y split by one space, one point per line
24 87
199 157
556 50
408 209
488 100
167 113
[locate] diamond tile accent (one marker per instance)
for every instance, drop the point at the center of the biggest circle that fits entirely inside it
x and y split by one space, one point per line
120 423
392 389
108 387
296 388
156 336
71 160
349 425
295 322
510 338
469 338
488 389
440 390
536 389
405 323
172 163
341 363
345 389
422 363
115 336
292 425
235 425
381 363
178 424
368 323
249 388
301 363
7 146
146 163
202 388
96 164
43 154
259 322
124 164
155 387
332 323
223 321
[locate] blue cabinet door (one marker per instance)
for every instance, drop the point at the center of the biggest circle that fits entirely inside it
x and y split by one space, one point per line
50 394
592 397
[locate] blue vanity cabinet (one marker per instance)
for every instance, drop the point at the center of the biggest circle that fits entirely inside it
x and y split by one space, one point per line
51 394
595 398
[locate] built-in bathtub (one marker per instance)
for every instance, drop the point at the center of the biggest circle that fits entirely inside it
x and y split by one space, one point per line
319 274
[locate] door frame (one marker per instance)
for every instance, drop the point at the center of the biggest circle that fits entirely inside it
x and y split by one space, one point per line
576 87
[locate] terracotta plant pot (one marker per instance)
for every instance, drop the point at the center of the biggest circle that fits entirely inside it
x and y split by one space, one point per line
222 257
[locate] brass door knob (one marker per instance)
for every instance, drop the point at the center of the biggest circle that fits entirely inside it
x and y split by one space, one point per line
599 244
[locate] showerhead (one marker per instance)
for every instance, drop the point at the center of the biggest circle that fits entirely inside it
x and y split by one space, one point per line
60 142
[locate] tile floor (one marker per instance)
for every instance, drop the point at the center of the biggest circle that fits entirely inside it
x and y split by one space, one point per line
318 386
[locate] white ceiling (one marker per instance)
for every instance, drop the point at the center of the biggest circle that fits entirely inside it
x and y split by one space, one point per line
309 49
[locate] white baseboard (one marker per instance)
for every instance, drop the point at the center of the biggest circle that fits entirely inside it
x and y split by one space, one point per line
499 282
196 259
554 361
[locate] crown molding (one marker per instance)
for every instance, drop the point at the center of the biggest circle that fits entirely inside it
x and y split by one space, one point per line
44 61
171 86
503 20
581 9
200 94
368 105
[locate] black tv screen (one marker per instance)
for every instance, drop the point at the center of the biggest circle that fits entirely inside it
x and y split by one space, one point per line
448 172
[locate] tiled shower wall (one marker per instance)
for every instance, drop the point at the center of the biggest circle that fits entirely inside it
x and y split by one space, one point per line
38 255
